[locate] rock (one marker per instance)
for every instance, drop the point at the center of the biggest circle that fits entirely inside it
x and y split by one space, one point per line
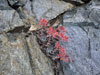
16 3
4 5
20 53
21 56
50 8
95 16
82 25
9 19
14 59
32 10
83 50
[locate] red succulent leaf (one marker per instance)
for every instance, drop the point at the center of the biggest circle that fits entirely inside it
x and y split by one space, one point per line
55 34
57 45
61 35
67 59
63 50
60 55
65 38
50 31
62 28
54 30
43 22
66 56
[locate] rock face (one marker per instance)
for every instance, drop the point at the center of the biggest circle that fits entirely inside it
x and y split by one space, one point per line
20 53
83 28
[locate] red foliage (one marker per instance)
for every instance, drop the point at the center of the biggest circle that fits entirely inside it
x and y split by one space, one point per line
50 31
43 22
62 28
56 33
57 45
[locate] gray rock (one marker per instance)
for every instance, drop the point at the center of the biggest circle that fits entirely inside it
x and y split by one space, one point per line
49 9
83 47
83 50
4 5
35 9
95 16
16 3
9 19
21 56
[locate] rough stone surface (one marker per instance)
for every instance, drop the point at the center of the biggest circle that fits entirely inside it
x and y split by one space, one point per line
83 49
4 5
82 25
50 8
21 54
35 10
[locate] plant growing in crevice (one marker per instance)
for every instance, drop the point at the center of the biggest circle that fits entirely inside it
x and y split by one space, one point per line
49 38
